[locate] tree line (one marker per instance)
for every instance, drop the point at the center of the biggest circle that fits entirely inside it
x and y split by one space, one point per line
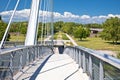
111 28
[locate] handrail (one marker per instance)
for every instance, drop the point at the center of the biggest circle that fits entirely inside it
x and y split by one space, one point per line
105 57
98 66
14 60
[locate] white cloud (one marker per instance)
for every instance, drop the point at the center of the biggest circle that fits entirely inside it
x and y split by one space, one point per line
85 17
102 16
70 15
57 15
23 15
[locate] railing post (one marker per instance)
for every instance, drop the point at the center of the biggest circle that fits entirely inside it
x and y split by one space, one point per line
74 53
77 56
38 52
101 71
20 65
84 63
71 52
80 58
27 50
90 67
35 53
11 65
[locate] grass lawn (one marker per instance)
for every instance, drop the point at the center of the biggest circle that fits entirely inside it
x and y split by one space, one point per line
98 44
64 37
20 37
60 35
55 36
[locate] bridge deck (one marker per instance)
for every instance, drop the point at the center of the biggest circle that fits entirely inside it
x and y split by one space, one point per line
57 67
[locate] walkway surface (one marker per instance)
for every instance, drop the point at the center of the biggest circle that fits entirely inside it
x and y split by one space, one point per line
57 67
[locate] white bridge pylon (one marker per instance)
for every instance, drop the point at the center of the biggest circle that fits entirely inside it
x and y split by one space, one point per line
31 37
33 24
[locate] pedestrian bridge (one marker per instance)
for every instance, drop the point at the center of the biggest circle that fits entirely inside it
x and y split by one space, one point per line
51 60
46 63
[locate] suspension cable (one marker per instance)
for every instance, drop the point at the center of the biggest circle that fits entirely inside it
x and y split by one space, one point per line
40 9
48 18
18 34
45 22
43 19
42 25
47 8
38 19
8 26
7 5
52 28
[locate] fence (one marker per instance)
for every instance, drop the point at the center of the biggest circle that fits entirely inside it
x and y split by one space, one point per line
12 61
9 44
98 66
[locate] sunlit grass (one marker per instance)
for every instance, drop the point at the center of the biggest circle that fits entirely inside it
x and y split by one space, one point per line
64 37
98 44
60 35
17 37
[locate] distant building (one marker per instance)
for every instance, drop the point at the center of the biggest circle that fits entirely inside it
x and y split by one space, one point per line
95 31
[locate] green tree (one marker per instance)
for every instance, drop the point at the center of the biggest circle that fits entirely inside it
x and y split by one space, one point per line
39 31
111 30
81 32
57 26
69 27
23 28
93 25
2 30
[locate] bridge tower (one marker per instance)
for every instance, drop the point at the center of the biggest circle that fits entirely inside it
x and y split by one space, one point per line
31 37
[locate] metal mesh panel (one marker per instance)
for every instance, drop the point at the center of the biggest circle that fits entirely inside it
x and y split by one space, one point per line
87 62
81 59
13 61
4 65
111 73
16 61
95 67
96 64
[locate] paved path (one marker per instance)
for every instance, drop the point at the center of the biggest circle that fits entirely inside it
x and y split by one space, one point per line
61 67
48 38
58 67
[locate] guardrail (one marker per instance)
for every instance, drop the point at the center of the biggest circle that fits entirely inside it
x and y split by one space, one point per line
98 66
9 44
14 60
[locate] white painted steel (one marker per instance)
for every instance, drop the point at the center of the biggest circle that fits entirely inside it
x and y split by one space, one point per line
31 36
8 26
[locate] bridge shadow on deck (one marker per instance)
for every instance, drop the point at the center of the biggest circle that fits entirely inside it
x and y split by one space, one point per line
39 68
38 71
41 71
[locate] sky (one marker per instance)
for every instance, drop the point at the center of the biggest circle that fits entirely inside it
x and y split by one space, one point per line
81 11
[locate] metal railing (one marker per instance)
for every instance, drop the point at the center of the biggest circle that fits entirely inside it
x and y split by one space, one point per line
98 66
13 61
9 44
